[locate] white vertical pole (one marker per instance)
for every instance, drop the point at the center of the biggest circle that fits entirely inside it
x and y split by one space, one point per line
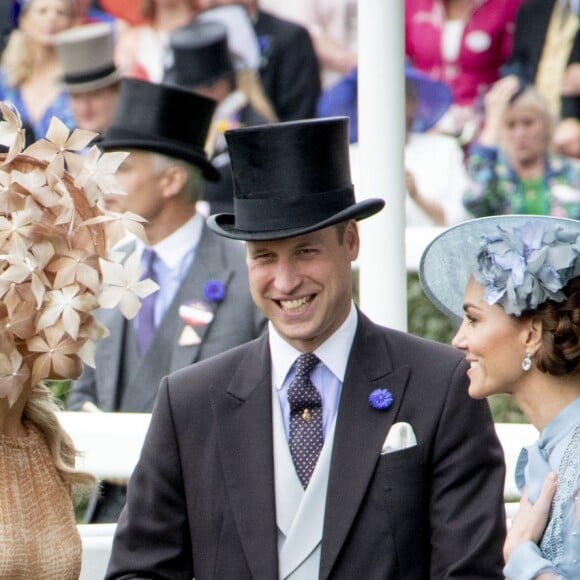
381 118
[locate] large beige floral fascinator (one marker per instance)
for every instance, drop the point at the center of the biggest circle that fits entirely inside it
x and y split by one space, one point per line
55 261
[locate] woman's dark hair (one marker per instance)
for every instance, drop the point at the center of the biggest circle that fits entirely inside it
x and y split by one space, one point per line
560 351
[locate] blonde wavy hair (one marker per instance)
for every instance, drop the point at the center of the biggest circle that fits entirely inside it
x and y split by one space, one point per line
41 411
17 60
249 83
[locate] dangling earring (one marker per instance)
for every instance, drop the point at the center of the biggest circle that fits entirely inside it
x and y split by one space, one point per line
527 362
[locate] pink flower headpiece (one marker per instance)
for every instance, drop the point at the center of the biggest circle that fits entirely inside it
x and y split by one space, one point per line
55 265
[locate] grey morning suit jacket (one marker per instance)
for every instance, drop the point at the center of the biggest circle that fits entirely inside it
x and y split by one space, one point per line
201 501
236 320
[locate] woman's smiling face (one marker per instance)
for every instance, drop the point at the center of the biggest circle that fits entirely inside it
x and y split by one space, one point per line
493 343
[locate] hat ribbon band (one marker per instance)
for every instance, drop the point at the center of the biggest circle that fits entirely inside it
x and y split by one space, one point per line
285 211
90 76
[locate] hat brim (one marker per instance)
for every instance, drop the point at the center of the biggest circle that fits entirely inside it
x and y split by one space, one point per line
165 147
224 224
450 259
433 100
172 77
93 85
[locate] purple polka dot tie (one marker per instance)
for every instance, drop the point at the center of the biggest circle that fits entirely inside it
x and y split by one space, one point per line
306 438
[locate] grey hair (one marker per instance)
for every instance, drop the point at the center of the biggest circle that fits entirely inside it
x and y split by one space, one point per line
194 184
530 97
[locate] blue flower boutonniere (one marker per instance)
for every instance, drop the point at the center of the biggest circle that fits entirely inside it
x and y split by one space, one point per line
381 399
214 291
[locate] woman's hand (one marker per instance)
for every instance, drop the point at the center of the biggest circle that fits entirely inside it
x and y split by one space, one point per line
571 83
566 139
530 520
433 209
496 103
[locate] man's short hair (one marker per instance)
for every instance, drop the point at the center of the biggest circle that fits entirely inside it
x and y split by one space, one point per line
194 184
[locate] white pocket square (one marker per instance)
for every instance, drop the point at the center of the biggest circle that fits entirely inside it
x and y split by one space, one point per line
400 436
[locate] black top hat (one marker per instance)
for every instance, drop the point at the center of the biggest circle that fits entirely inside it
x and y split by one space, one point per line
290 179
162 119
200 54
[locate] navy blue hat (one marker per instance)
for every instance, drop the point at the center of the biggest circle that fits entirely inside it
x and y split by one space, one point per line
433 99
290 179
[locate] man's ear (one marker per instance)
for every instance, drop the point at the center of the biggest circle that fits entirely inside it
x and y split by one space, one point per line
351 239
173 180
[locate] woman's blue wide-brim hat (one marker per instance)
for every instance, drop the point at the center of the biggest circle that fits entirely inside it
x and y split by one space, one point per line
451 258
290 179
433 99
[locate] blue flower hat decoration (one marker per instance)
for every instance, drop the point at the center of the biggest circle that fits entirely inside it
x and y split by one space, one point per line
214 291
520 260
525 266
381 399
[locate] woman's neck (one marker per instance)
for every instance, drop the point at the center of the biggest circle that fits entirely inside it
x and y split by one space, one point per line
45 62
172 17
545 396
457 9
529 169
11 422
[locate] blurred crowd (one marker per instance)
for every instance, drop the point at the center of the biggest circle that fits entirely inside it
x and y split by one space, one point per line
494 84
492 115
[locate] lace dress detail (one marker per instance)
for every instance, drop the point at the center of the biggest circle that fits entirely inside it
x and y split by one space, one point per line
552 544
38 534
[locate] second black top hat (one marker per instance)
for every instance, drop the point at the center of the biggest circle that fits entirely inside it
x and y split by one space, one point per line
199 55
162 119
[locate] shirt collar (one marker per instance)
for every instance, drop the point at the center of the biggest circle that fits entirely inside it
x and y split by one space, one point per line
532 465
333 353
172 249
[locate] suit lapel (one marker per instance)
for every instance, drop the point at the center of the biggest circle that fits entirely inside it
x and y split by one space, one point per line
360 433
243 417
207 265
108 358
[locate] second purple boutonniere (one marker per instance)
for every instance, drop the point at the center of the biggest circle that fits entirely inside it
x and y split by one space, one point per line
200 313
214 291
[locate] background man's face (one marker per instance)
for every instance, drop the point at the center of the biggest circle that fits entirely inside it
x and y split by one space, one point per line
94 110
144 193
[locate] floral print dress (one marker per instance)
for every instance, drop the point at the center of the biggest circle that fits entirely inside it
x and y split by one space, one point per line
496 189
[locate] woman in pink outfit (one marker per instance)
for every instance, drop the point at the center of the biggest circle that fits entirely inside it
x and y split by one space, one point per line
140 51
462 43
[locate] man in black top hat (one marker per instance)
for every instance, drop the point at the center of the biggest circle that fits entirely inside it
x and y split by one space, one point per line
200 61
203 306
289 68
330 447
